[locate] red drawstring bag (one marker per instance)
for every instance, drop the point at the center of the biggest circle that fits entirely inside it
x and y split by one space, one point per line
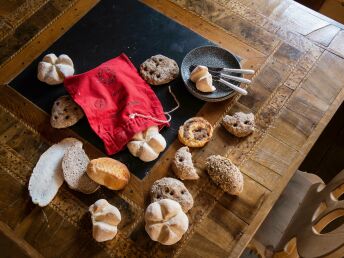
118 103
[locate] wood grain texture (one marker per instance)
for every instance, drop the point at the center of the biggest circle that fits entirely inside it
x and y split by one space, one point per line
296 90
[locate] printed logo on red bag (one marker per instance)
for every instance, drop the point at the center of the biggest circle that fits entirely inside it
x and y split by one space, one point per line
106 76
99 103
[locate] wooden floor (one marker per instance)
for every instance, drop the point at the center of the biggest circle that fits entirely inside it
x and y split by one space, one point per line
326 158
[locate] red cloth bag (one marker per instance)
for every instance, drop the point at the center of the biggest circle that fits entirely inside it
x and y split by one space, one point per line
109 95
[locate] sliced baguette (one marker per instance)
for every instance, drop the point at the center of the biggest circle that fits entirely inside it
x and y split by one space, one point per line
74 165
47 176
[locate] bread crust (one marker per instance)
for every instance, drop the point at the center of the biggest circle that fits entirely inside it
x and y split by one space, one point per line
111 173
195 132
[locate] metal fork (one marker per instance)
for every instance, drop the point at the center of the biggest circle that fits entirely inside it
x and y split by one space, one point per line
224 69
230 85
227 76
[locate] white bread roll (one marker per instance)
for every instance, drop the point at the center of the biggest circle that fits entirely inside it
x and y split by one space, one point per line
147 145
205 83
53 70
166 222
105 218
108 172
198 72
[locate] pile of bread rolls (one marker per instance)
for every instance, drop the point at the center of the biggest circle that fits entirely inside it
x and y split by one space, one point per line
166 219
67 161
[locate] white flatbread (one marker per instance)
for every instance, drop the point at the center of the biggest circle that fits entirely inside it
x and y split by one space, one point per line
47 175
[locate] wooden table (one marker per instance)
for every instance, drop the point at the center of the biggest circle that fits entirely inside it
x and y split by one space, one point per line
298 56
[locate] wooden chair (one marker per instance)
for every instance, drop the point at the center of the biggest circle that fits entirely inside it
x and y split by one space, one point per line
307 221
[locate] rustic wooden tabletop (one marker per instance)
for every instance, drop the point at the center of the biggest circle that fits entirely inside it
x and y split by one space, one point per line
299 59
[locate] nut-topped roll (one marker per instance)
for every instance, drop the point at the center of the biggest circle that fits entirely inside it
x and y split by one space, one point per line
225 174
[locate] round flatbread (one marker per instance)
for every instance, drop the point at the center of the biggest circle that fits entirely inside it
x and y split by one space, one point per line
65 112
159 70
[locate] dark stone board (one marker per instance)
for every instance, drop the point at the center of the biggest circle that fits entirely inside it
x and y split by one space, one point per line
109 29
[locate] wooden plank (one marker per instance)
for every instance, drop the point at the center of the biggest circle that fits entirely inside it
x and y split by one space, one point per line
260 173
249 202
274 154
292 128
268 8
204 28
14 246
287 126
287 54
326 72
220 227
291 21
325 35
17 60
254 36
199 246
266 81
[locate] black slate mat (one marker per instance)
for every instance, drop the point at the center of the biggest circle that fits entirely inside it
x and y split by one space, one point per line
113 27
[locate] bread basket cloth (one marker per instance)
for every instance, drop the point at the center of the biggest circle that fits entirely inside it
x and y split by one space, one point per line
109 95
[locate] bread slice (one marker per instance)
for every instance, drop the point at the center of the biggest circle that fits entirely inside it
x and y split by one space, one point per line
109 172
74 165
47 176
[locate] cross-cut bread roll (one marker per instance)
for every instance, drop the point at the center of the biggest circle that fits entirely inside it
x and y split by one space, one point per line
166 222
105 218
108 172
53 70
47 176
147 145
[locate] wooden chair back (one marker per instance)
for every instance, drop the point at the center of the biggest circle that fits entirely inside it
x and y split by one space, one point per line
317 227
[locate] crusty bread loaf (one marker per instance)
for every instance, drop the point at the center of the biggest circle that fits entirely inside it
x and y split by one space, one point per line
108 172
47 176
74 165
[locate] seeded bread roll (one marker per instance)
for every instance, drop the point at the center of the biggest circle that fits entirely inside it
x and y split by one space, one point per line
74 165
109 172
225 174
